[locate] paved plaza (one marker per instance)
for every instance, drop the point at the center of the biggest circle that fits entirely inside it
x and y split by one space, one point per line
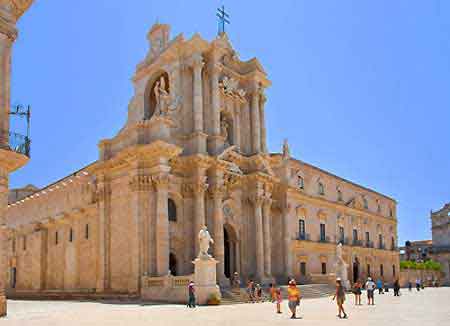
426 308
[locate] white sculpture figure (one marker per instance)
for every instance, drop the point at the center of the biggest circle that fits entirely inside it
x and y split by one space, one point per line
204 239
341 267
286 150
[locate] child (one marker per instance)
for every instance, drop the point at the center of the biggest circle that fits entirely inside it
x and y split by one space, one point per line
340 298
278 299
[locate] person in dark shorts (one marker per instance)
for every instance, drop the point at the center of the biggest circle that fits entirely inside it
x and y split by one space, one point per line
191 291
396 288
370 287
357 292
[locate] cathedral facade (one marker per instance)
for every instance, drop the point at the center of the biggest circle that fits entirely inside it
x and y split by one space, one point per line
193 152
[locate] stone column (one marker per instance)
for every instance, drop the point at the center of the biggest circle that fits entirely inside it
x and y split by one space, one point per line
198 189
215 100
263 124
256 125
287 212
161 183
237 123
217 192
197 65
103 235
267 237
5 75
259 236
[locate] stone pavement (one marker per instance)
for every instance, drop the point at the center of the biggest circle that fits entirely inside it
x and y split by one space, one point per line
426 308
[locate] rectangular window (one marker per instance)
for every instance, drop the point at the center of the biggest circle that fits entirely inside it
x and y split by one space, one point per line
392 243
322 232
56 237
24 242
301 229
341 234
303 268
368 269
86 231
393 270
367 239
70 235
381 270
380 241
355 235
324 268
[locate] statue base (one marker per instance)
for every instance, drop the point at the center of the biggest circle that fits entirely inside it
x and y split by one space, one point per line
3 305
206 288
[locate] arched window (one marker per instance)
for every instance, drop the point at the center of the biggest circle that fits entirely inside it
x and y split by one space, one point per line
365 202
300 182
321 188
339 194
172 210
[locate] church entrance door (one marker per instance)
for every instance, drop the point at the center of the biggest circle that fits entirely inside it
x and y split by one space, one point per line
355 270
230 251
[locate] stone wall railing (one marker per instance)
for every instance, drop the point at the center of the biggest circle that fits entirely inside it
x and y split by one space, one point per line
172 289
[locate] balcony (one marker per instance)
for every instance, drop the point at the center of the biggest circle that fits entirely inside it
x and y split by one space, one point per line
324 239
369 244
15 142
303 236
381 246
343 241
357 243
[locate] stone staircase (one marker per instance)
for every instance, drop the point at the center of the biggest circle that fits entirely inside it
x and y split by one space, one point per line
308 291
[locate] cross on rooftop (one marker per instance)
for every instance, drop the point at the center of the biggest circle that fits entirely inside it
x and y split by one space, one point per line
223 18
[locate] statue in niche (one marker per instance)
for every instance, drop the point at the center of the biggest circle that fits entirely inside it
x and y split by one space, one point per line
166 103
224 129
204 239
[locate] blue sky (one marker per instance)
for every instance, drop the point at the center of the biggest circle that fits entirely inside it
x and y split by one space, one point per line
360 88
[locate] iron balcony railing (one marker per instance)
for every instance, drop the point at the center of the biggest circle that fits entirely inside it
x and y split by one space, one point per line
358 243
343 241
369 244
324 239
303 236
15 142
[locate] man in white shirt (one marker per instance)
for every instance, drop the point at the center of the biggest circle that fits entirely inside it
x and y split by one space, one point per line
370 287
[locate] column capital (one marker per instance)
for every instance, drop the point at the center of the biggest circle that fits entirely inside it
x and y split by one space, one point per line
141 183
160 181
256 200
196 61
217 191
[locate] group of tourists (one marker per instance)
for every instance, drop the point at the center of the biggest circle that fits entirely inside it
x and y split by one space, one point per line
256 294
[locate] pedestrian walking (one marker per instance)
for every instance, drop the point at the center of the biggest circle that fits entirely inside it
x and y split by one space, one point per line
293 298
250 291
418 284
380 286
396 288
370 287
339 296
357 292
410 286
258 290
191 291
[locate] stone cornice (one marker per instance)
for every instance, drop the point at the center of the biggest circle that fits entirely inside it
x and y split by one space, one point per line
11 161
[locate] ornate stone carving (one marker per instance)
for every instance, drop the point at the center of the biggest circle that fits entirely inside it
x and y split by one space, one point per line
217 191
160 180
141 183
230 87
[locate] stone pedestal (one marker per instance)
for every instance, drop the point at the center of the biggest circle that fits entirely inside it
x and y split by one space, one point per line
160 128
2 305
341 273
205 280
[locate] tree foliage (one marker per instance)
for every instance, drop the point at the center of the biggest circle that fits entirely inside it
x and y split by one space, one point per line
428 265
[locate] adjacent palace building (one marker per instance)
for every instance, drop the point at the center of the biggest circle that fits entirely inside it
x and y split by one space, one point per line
193 152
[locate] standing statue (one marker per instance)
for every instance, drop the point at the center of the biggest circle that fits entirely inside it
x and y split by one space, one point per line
204 239
286 150
341 267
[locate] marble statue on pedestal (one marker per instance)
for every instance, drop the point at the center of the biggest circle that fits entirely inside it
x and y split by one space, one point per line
341 267
205 270
204 239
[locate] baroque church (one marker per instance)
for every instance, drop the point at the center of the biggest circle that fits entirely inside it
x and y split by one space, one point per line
193 152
